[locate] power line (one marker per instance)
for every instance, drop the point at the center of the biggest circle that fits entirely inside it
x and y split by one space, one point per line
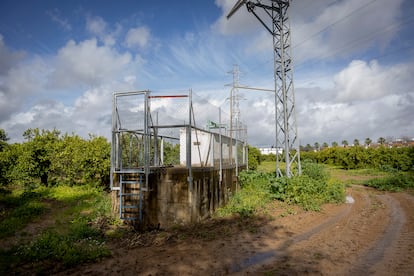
354 43
334 23
324 29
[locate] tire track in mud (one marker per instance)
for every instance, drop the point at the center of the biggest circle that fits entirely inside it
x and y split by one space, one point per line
393 252
375 254
280 252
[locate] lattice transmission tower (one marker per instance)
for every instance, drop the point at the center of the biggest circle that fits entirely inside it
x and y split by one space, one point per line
273 15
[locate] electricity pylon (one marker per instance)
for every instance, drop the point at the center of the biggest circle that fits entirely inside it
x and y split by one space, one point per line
287 141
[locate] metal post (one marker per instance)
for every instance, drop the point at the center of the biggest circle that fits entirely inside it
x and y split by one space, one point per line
162 151
113 147
146 140
221 150
189 163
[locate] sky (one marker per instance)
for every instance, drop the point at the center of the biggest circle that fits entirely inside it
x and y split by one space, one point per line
61 61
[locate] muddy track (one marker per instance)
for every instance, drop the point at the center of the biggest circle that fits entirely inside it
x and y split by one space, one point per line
372 236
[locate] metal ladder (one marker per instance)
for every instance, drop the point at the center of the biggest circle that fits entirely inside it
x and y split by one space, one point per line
131 196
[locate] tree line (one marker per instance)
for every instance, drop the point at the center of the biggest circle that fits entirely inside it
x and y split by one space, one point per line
379 157
358 157
49 158
381 141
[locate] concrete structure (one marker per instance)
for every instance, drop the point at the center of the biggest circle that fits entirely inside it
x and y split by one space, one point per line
171 201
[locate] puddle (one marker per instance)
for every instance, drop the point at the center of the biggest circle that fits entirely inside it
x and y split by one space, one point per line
349 199
255 259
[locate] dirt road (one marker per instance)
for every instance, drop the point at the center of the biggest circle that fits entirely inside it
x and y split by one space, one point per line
372 236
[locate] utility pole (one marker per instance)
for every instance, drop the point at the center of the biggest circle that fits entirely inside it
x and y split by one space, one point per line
234 112
273 15
234 103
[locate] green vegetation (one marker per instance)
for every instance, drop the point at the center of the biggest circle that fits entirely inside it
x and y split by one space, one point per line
21 208
57 182
310 190
357 157
74 234
394 182
49 158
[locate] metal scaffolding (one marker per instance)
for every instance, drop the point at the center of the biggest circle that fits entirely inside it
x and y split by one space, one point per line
142 122
273 15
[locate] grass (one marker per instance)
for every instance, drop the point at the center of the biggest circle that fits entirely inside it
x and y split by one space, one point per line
393 182
268 166
310 190
80 215
21 207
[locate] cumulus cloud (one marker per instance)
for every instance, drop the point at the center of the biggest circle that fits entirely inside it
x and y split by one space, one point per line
95 25
322 29
8 57
240 22
137 37
370 81
33 91
343 28
20 83
367 99
87 63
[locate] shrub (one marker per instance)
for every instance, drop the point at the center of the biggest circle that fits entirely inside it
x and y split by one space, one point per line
310 190
397 181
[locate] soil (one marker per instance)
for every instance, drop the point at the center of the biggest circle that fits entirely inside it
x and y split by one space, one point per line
372 236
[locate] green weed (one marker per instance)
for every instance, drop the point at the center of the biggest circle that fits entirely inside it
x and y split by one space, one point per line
395 182
76 247
22 207
76 237
310 190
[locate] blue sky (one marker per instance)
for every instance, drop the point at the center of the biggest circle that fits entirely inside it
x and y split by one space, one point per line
60 62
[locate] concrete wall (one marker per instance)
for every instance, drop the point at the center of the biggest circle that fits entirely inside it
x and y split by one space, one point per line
170 200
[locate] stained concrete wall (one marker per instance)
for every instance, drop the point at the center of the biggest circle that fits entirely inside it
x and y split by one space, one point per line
171 201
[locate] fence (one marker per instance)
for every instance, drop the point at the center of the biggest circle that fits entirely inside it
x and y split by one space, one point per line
150 131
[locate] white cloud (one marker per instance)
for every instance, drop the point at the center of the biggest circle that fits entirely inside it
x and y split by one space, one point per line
87 63
20 83
322 29
363 81
137 37
343 28
240 22
57 17
8 57
367 99
95 25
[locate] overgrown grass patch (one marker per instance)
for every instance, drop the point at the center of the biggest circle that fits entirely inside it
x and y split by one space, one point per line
394 182
81 244
21 207
254 194
310 190
77 236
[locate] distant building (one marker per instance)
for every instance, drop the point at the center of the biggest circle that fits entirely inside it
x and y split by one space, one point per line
270 150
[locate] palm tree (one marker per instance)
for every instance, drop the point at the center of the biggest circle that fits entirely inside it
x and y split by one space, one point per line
345 143
334 144
356 142
316 146
325 145
368 142
381 140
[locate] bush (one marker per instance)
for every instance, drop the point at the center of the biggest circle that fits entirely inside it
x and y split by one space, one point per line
307 192
398 181
254 194
310 190
69 249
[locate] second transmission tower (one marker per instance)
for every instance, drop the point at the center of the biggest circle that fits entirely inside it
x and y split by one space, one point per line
273 15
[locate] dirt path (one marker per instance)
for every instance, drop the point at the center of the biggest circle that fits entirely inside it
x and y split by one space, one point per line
374 235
